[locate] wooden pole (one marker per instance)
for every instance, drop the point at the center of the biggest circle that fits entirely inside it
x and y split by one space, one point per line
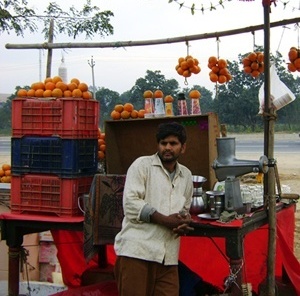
269 183
149 42
50 41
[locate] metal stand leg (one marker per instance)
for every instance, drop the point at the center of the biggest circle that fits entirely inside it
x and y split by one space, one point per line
236 269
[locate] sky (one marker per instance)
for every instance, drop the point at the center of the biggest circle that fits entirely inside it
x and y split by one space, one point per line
134 20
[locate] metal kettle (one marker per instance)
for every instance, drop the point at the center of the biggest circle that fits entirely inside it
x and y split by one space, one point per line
198 204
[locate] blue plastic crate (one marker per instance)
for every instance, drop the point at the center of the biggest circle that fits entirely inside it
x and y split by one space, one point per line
54 155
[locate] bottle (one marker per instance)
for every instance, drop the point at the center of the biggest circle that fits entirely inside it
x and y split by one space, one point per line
149 107
169 105
159 108
195 102
182 106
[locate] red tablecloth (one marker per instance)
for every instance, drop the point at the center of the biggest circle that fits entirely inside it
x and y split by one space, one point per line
202 255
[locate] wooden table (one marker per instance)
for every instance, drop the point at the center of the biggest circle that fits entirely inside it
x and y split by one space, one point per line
14 227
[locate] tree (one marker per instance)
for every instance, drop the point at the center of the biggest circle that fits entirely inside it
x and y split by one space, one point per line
15 15
107 99
153 80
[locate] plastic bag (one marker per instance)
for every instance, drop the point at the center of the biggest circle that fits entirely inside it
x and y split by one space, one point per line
280 94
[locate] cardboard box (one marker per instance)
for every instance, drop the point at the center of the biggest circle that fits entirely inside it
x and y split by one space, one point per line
128 139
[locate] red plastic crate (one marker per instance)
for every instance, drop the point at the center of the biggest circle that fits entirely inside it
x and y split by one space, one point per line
64 117
49 195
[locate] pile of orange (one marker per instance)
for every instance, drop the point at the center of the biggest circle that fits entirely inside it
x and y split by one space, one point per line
101 144
294 57
254 64
5 173
219 72
187 66
55 87
126 111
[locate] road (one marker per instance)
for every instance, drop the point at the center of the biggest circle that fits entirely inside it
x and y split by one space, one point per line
244 144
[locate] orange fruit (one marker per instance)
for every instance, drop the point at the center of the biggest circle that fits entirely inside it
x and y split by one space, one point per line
72 86
293 54
260 57
8 179
190 62
179 70
50 85
128 107
213 77
101 155
254 65
228 77
261 68
247 69
252 56
1 173
222 63
47 93
7 172
75 80
102 147
99 132
255 73
102 136
215 69
4 179
76 93
297 63
213 60
184 65
222 79
125 114
195 69
119 108
194 94
186 73
223 71
67 94
47 79
31 93
57 92
63 86
158 94
148 94
141 113
115 115
39 93
38 85
22 92
168 99
292 67
56 79
181 59
6 167
100 142
246 62
87 95
134 114
83 86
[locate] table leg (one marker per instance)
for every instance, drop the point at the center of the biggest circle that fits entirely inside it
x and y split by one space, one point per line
236 266
13 271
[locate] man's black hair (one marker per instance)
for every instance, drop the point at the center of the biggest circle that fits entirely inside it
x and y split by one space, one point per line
171 129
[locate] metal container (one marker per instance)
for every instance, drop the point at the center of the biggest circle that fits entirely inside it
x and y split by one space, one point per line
216 202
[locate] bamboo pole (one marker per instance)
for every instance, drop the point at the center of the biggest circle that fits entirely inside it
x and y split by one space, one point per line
117 44
50 41
269 184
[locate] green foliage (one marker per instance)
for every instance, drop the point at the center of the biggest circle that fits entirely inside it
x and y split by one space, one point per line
16 16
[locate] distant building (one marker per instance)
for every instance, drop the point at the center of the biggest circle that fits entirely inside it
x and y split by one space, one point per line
3 98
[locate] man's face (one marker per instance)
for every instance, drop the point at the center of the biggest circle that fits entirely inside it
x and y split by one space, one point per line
170 148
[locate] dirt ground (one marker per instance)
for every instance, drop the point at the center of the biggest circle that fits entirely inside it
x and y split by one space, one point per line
288 167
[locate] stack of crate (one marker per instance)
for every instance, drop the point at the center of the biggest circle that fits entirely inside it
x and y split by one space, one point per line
54 154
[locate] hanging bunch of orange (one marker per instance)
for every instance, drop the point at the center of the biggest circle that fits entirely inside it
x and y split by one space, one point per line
101 144
126 111
5 173
253 64
219 72
55 87
187 66
294 58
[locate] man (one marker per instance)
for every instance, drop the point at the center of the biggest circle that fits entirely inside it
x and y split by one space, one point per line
157 196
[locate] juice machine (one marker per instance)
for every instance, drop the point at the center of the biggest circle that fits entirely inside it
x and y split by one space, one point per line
228 168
